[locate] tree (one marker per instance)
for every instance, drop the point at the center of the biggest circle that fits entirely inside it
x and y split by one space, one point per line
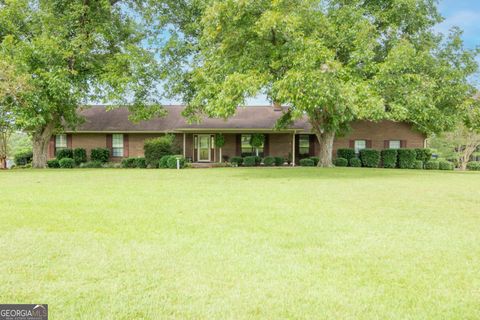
219 143
334 61
73 52
256 141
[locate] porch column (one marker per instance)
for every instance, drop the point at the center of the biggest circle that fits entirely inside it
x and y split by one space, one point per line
184 144
293 149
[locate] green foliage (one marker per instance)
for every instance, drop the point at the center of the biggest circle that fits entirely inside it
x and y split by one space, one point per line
341 162
64 153
432 165
355 162
257 140
306 162
219 140
370 158
473 165
140 163
418 164
269 161
163 162
129 163
250 161
406 158
100 154
346 153
445 165
92 164
172 162
19 142
54 163
66 163
236 161
423 154
79 155
23 158
389 158
315 160
279 161
156 148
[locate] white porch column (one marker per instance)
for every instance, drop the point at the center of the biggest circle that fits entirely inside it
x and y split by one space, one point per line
293 149
184 144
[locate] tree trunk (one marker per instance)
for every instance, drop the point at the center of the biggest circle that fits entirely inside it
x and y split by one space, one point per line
220 158
41 140
325 140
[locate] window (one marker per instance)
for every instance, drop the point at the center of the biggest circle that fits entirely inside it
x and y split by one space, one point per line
304 145
247 149
359 145
60 142
117 145
394 144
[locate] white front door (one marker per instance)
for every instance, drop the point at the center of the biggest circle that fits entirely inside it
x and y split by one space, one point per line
203 147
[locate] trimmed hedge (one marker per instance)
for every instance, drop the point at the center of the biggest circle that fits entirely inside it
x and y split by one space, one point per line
66 163
250 161
406 158
307 162
279 161
473 165
418 164
316 160
355 162
79 155
100 154
423 154
156 148
236 160
370 158
341 162
64 153
432 165
445 165
140 163
346 153
389 158
172 162
91 164
163 162
23 158
53 163
129 163
269 161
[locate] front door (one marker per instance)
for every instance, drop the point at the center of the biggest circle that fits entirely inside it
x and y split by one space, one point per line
203 147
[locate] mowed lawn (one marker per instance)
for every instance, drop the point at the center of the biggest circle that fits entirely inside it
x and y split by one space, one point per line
238 243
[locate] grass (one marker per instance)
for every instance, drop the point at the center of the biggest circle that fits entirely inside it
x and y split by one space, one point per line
240 243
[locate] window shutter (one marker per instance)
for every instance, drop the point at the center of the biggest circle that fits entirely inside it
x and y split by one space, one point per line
403 143
311 147
238 145
126 152
69 141
212 148
386 144
109 143
51 147
351 144
368 144
266 145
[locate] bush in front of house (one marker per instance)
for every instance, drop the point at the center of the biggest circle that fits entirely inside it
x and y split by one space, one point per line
445 165
163 162
432 165
23 158
64 153
389 158
307 162
347 153
269 161
355 162
66 163
172 162
236 161
370 158
91 164
250 161
100 154
341 162
406 158
156 148
129 163
54 163
315 160
279 161
140 163
423 154
79 155
418 164
473 165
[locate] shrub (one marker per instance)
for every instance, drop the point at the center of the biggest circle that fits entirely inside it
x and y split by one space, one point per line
406 158
418 164
473 165
163 162
423 154
370 158
346 153
355 162
140 163
307 162
91 164
66 163
79 155
258 160
389 158
445 165
279 161
250 161
100 154
53 163
129 163
64 153
172 162
156 148
432 165
236 161
341 162
23 158
269 161
315 160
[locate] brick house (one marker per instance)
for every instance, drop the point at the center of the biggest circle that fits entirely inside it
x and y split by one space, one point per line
113 130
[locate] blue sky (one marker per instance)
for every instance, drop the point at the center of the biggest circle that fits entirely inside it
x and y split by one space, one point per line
464 14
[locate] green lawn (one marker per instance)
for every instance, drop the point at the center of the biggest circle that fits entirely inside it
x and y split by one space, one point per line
242 243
